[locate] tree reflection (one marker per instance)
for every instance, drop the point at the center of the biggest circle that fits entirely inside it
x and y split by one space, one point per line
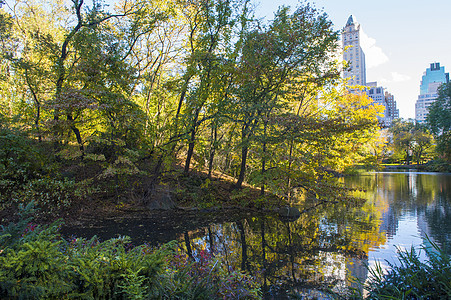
328 246
313 252
425 195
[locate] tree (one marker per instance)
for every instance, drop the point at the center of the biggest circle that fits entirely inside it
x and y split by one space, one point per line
423 143
213 24
439 120
6 47
402 137
298 43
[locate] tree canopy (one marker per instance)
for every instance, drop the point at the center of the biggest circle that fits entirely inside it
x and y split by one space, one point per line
202 84
439 120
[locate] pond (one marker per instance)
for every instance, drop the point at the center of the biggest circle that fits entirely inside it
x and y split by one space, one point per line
325 247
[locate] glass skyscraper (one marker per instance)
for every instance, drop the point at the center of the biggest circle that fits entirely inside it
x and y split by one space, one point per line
432 78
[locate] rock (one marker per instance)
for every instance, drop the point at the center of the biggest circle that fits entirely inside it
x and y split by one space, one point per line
161 197
289 212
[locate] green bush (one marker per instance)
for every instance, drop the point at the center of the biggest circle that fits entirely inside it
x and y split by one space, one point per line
50 194
19 160
26 175
438 165
37 263
412 278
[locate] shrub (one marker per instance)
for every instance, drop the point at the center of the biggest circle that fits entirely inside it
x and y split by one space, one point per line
204 276
438 165
37 263
19 160
26 175
412 278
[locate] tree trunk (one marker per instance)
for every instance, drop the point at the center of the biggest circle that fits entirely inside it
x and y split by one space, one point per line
38 106
290 162
77 134
262 189
189 155
212 151
244 150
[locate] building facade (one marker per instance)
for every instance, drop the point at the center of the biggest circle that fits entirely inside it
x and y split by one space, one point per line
353 53
386 99
433 77
391 109
356 74
377 93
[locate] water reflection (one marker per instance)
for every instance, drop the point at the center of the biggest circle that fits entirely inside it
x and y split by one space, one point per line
325 247
413 205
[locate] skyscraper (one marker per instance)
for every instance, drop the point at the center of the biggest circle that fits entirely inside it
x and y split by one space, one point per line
377 93
387 100
432 78
392 112
352 53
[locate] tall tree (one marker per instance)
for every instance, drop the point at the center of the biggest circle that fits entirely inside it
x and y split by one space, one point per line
215 24
423 143
439 120
6 48
402 137
298 43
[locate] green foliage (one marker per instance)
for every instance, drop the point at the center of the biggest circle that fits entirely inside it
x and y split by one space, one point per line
411 141
37 263
19 160
202 82
438 165
101 269
412 278
32 265
48 192
204 277
439 120
26 175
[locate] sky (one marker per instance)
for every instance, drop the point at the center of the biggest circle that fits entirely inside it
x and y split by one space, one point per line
401 39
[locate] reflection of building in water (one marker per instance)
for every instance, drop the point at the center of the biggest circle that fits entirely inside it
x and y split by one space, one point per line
412 180
398 196
389 222
356 267
423 227
434 224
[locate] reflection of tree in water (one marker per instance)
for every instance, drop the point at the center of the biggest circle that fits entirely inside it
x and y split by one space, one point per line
324 247
438 215
424 195
308 253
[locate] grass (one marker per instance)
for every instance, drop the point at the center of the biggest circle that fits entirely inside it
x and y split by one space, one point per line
412 278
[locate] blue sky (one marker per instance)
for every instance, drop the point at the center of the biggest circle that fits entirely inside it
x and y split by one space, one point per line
402 38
